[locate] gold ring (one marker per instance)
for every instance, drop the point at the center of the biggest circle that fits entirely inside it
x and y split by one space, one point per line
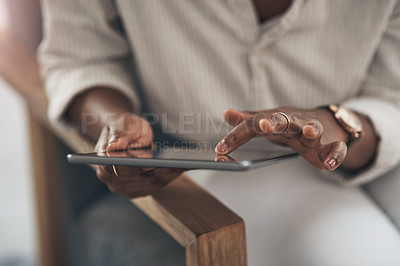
115 170
287 121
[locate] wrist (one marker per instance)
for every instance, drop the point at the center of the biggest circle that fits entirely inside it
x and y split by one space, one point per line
333 131
363 151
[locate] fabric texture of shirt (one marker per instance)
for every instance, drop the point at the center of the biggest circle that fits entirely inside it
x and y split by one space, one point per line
195 59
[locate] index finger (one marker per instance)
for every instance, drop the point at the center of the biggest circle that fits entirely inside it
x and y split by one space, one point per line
257 125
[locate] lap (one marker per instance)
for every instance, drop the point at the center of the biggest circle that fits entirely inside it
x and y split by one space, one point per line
112 231
294 217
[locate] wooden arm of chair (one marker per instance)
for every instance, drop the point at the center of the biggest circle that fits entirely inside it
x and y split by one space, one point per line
211 233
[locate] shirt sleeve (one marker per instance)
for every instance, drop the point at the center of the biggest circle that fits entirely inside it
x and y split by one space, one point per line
84 46
379 99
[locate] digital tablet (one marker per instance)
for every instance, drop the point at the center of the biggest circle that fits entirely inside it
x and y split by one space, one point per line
246 157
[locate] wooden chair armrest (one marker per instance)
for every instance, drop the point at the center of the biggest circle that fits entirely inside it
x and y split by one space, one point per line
211 233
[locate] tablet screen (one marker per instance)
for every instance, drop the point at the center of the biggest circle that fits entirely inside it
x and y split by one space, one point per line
248 155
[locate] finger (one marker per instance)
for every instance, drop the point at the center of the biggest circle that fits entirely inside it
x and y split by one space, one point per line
148 173
241 134
130 153
279 124
135 174
142 154
311 134
257 125
129 131
122 180
126 170
103 175
128 124
102 143
144 184
223 158
145 169
234 117
121 172
168 171
130 141
333 154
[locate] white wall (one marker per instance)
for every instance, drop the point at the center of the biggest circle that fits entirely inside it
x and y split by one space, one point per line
17 214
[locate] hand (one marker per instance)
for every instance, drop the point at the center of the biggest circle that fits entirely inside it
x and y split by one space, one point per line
131 131
321 140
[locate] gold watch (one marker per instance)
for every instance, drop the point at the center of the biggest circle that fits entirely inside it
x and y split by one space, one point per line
349 121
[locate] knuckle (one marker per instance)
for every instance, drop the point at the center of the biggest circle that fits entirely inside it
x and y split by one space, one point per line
317 125
247 124
286 125
275 117
251 124
293 130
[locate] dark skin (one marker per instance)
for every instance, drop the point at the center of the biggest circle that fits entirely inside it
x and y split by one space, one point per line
269 8
320 140
121 130
317 140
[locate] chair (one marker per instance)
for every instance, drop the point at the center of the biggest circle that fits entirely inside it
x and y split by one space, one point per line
210 233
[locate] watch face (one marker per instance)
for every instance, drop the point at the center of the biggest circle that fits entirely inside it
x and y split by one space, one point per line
349 118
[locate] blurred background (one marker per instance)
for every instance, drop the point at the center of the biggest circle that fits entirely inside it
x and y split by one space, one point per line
18 240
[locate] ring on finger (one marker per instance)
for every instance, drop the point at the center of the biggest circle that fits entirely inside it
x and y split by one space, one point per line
115 170
287 121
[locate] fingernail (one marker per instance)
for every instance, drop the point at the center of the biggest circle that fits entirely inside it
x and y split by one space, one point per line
221 160
332 163
222 146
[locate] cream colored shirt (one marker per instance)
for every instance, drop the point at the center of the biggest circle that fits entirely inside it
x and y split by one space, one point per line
194 59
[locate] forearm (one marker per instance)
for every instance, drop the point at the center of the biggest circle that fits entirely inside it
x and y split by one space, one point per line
100 104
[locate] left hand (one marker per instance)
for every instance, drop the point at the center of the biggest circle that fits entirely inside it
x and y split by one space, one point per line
119 139
320 140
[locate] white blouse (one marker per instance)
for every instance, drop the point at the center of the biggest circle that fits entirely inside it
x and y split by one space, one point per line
194 59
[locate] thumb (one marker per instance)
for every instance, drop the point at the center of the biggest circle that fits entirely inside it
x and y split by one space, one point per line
141 136
333 154
103 140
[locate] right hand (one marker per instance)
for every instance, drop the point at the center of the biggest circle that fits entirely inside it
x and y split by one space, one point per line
131 131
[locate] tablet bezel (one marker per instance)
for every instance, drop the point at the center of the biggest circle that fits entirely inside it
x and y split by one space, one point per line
176 163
